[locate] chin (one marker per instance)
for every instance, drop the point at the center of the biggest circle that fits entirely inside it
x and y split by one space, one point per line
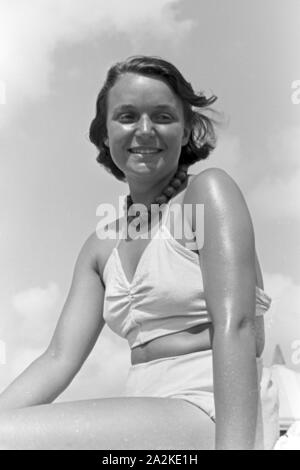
145 169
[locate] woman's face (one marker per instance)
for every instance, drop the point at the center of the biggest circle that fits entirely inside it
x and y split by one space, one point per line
145 126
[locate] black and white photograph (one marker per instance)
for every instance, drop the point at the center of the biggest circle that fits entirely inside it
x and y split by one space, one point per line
150 225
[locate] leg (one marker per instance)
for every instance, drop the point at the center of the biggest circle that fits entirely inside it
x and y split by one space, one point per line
109 423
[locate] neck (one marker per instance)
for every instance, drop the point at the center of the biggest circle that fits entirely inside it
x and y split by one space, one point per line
143 193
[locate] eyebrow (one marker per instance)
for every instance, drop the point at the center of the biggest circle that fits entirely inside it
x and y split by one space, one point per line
126 107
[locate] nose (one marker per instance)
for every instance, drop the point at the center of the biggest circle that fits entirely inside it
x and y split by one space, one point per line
145 126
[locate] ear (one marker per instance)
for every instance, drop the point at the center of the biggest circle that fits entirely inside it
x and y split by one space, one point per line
106 141
186 136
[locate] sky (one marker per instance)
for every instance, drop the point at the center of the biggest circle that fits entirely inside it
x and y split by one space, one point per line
54 55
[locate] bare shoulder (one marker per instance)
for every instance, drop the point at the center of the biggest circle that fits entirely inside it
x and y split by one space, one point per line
214 184
215 188
225 208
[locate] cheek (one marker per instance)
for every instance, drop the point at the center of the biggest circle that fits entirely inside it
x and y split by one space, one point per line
116 151
174 136
117 135
118 157
117 146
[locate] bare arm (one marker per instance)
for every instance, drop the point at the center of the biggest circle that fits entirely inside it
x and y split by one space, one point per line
77 330
228 264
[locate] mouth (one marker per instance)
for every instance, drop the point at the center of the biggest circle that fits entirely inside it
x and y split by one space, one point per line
145 150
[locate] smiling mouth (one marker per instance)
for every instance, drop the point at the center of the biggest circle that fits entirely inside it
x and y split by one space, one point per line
145 150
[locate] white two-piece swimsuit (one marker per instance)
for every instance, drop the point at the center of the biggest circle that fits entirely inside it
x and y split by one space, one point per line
165 296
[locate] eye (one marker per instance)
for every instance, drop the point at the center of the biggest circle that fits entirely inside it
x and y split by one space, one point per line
126 117
164 117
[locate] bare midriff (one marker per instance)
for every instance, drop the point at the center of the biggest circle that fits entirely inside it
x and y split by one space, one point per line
182 342
197 338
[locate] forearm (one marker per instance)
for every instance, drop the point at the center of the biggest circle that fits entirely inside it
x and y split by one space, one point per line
42 382
235 388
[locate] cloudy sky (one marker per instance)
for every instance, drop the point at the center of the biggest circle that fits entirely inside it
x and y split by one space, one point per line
54 55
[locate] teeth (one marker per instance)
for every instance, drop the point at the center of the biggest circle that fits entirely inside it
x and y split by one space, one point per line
145 151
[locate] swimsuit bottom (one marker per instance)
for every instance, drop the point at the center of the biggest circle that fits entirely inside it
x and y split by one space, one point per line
190 377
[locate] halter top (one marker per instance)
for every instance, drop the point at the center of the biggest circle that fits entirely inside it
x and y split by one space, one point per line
166 294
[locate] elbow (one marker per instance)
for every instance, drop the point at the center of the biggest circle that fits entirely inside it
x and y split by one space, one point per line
65 361
237 338
245 323
62 364
242 326
60 369
244 333
52 353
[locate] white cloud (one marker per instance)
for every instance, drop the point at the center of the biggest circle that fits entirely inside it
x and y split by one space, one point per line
271 184
30 31
36 301
36 311
284 148
277 194
278 197
227 155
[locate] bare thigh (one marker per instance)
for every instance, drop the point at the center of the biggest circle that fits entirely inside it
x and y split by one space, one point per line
108 424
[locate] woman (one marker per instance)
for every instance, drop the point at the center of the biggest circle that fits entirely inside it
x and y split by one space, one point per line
192 316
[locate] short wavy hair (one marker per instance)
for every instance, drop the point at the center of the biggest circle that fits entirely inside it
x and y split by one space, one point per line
202 138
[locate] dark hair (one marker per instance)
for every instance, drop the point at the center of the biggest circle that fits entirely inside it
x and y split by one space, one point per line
202 139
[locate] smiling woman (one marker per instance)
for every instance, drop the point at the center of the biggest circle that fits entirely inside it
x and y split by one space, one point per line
193 318
169 98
